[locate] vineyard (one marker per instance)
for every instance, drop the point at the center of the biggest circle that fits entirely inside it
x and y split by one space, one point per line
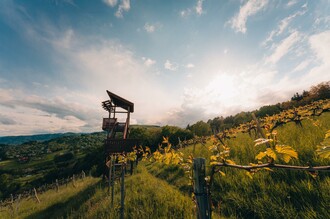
250 172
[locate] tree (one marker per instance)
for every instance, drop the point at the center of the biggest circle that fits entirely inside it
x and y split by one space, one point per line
174 133
201 129
216 124
320 91
297 97
242 117
268 110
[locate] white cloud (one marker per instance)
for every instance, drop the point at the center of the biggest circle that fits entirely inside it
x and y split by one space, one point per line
322 22
149 28
90 65
283 47
291 3
199 7
320 45
282 26
124 5
225 51
111 3
303 65
170 66
250 8
185 13
190 65
224 94
148 62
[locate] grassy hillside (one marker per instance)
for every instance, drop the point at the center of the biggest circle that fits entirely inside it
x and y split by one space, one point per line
159 191
15 140
277 194
146 197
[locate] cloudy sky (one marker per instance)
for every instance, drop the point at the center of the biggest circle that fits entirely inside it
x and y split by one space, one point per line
179 61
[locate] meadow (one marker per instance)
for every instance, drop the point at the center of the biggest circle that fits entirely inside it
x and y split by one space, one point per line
157 190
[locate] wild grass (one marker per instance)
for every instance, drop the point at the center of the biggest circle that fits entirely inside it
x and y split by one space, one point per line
277 194
158 191
53 204
146 197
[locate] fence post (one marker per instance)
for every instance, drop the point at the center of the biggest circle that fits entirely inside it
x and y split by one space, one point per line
113 169
18 202
57 185
73 181
200 189
122 191
83 175
132 166
195 142
36 195
109 177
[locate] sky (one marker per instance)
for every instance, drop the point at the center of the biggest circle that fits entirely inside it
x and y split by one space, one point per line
178 61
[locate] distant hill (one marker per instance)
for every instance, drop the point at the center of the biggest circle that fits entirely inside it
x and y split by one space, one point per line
145 126
16 140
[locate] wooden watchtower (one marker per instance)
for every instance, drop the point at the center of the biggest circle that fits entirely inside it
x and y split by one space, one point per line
114 106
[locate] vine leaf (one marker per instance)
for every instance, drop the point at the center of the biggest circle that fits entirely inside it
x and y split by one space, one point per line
271 153
287 152
261 155
268 153
324 151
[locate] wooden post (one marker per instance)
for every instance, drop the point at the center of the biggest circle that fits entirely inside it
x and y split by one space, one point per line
73 181
195 142
57 186
12 205
83 175
122 191
132 166
109 178
113 179
36 195
200 189
18 202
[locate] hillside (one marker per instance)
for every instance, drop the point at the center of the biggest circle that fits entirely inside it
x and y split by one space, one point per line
157 190
16 140
162 180
265 194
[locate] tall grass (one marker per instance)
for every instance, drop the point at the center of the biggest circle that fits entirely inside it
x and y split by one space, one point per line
158 191
277 194
53 204
146 197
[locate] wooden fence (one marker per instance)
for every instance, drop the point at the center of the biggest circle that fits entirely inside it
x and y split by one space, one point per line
202 189
12 203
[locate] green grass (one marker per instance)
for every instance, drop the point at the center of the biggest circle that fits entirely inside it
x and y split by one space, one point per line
45 161
146 197
54 204
278 194
158 191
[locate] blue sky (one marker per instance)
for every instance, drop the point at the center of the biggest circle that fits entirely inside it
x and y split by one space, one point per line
179 61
